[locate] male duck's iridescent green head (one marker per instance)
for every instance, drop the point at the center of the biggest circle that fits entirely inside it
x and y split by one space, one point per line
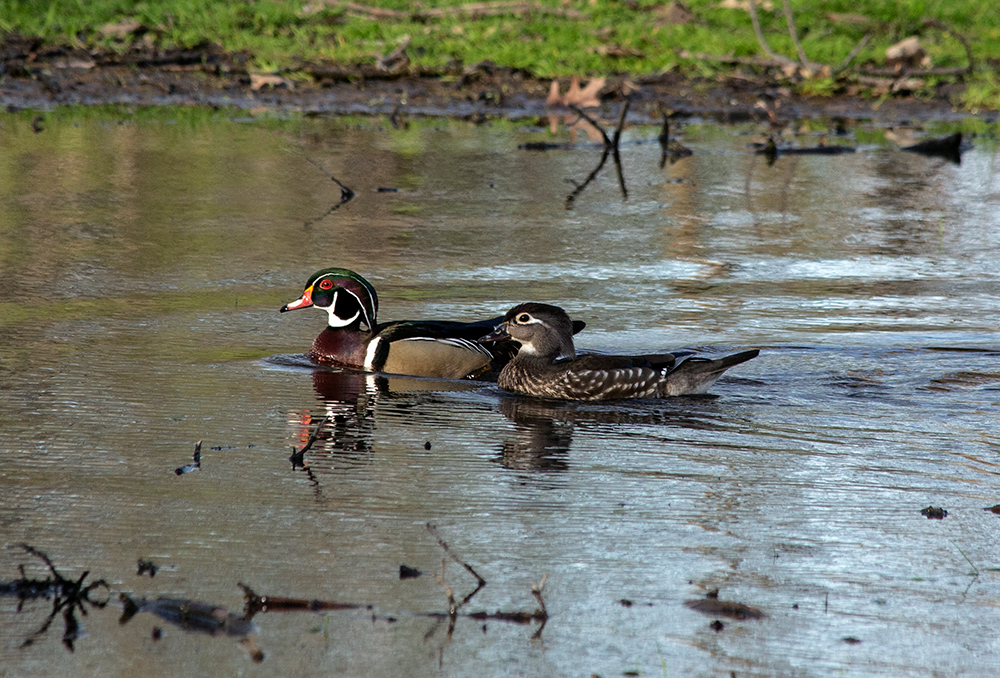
348 298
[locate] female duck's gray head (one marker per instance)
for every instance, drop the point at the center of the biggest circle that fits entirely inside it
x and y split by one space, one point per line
544 331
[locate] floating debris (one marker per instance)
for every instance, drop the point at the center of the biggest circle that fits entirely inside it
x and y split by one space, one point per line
147 567
934 513
191 467
710 605
407 572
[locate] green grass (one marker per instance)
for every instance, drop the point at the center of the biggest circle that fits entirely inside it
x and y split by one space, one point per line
278 36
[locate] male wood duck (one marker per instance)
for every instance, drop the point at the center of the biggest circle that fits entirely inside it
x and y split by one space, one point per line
547 365
425 348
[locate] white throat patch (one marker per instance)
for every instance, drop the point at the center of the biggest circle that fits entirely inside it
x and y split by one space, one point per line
336 320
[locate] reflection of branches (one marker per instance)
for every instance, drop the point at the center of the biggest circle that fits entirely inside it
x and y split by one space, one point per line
568 203
345 194
298 457
670 148
610 148
68 597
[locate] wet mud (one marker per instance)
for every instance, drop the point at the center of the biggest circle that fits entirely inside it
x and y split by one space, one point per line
39 76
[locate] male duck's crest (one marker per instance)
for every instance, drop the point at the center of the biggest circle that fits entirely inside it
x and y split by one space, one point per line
347 298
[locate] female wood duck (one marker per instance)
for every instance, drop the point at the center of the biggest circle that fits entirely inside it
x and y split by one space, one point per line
427 348
547 365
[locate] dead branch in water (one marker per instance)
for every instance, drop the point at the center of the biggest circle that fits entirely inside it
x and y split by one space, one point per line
447 549
254 603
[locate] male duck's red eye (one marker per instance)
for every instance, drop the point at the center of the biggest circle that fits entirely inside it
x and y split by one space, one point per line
325 284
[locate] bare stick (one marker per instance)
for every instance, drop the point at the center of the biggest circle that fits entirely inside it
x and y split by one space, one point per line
447 549
536 591
955 34
472 11
854 53
794 34
763 41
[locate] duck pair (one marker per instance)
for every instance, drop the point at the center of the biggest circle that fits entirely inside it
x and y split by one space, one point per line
531 347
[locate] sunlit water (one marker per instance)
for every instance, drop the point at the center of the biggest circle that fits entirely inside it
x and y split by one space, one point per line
143 258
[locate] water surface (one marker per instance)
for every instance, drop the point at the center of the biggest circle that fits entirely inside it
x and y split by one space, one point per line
143 257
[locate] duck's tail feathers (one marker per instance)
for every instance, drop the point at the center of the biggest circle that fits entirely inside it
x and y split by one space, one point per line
696 374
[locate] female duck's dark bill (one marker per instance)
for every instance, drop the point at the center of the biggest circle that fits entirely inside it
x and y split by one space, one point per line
498 333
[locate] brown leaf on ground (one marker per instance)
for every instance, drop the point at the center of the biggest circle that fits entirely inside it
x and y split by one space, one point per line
673 13
617 51
119 30
586 97
259 81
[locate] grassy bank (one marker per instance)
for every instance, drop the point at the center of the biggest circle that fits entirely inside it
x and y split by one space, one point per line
583 37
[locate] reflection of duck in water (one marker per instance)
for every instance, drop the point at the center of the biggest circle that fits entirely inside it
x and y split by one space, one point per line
547 365
540 441
425 348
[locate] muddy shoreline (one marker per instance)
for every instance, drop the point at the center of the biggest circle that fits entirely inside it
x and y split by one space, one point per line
41 78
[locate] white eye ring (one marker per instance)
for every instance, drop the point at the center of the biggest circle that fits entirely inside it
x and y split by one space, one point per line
524 318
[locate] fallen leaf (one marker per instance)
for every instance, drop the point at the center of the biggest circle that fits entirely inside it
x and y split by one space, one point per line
617 51
259 81
673 13
119 30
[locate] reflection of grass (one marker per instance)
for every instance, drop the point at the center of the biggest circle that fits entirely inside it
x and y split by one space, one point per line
610 38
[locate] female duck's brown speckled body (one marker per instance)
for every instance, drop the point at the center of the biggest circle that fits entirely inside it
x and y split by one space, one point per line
547 365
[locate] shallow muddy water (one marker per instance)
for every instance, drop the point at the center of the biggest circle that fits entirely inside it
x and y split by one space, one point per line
143 259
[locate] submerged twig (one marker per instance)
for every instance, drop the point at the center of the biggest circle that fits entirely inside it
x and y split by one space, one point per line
254 603
447 549
345 194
